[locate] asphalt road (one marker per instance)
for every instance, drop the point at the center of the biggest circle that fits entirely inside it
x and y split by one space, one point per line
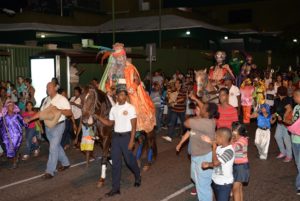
270 180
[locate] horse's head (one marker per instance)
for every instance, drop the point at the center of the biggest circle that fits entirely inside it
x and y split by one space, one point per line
201 80
89 103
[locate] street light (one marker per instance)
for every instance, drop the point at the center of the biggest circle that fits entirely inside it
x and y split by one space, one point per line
225 37
188 33
43 36
295 40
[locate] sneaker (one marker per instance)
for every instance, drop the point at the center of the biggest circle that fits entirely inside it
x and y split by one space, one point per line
281 155
25 157
165 127
13 166
298 192
36 152
194 192
287 160
262 158
167 138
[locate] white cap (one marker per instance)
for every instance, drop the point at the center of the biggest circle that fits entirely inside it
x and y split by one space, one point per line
121 81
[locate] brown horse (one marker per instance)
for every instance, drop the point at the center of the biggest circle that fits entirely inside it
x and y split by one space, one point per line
96 102
205 90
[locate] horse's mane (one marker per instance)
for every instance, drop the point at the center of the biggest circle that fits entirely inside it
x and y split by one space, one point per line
105 104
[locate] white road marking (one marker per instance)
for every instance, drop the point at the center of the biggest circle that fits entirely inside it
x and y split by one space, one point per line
38 176
178 192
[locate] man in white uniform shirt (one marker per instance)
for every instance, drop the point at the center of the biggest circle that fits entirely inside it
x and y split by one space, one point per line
54 134
123 117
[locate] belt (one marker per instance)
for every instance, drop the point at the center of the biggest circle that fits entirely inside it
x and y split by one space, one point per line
122 133
224 184
60 122
264 128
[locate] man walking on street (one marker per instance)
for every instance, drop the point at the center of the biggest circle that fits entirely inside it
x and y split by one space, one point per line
60 106
123 117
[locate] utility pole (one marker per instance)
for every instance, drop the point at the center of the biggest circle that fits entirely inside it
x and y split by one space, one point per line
61 8
113 21
159 25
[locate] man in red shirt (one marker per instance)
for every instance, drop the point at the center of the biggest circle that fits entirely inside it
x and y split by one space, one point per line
228 113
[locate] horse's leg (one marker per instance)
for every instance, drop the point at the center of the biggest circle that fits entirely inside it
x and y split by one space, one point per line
154 146
152 149
139 152
105 153
87 156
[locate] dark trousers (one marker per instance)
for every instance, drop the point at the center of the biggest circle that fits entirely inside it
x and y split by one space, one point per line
119 147
222 192
173 122
77 122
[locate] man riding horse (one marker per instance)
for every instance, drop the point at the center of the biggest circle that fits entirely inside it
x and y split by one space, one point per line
217 73
119 69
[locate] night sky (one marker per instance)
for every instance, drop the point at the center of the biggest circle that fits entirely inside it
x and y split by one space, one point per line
198 3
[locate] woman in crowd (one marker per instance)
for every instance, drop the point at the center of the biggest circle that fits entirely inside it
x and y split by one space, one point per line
204 124
11 127
76 107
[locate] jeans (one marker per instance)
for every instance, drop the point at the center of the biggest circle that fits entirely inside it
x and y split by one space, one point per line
158 115
119 147
202 178
222 192
173 122
56 151
30 133
66 138
283 140
296 151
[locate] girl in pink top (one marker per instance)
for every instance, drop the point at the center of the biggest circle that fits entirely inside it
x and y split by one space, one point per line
247 91
241 165
31 132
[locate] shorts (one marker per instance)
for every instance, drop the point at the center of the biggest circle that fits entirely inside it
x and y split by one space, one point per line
87 144
241 172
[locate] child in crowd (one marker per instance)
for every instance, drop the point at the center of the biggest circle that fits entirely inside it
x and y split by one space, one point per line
222 162
21 87
31 132
87 142
247 91
262 135
270 95
156 98
241 166
203 124
11 127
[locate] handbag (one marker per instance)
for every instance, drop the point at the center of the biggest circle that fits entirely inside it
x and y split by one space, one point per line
295 127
